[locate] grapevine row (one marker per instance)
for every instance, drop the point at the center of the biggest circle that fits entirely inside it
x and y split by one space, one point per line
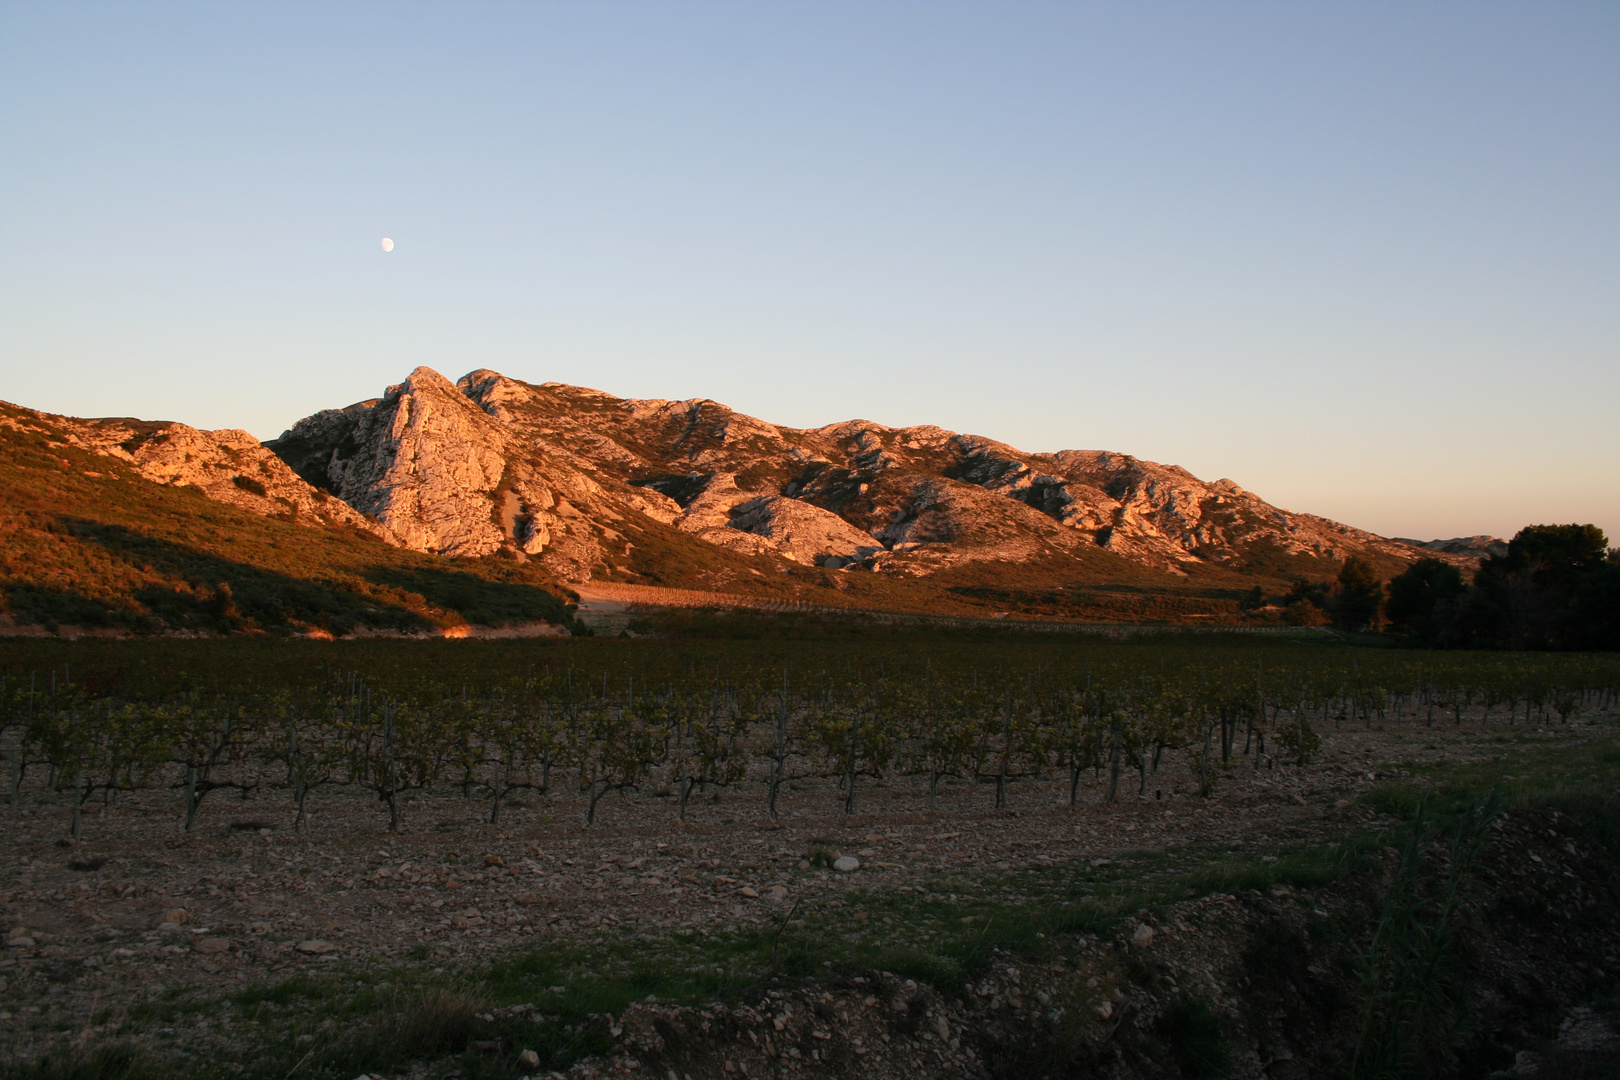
606 727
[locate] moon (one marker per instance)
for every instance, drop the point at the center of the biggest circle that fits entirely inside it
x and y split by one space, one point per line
387 244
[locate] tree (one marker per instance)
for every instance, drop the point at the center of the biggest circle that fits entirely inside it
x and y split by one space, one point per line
1553 589
1415 594
781 747
1302 612
1597 607
1360 595
1558 551
1312 592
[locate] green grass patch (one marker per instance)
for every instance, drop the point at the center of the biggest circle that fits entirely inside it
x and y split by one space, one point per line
1579 780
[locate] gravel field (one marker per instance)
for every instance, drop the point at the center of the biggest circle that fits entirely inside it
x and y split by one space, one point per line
138 910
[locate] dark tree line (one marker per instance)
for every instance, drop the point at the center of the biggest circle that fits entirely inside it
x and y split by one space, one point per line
1352 603
1557 587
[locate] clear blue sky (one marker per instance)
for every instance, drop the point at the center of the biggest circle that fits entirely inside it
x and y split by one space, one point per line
1362 258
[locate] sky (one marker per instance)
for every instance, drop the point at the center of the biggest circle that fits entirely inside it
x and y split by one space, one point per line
1361 258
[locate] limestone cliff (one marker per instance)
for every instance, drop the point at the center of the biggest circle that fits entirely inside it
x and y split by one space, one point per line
592 485
571 476
449 476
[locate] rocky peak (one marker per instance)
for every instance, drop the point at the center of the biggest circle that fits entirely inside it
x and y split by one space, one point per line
494 392
425 461
559 472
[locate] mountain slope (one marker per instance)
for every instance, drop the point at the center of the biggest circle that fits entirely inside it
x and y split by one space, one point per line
89 539
489 494
491 463
228 466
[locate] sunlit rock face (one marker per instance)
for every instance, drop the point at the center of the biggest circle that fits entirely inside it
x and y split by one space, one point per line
425 462
555 472
229 466
448 474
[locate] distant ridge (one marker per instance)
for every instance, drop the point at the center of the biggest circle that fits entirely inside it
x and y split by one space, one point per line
519 490
1472 547
553 471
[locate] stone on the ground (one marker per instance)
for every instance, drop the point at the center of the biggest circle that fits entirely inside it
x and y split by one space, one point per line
845 864
316 948
1143 938
177 916
211 945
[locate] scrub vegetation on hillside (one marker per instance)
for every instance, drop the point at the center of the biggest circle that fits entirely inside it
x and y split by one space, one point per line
85 541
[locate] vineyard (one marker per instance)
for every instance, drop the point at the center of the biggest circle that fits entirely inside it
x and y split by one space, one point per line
294 723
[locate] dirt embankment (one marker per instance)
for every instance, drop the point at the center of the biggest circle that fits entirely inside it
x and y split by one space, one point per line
1236 985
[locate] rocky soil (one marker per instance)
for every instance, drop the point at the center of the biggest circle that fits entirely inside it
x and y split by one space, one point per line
139 910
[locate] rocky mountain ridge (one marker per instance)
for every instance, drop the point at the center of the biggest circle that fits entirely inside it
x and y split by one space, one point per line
1471 547
572 476
691 494
228 466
